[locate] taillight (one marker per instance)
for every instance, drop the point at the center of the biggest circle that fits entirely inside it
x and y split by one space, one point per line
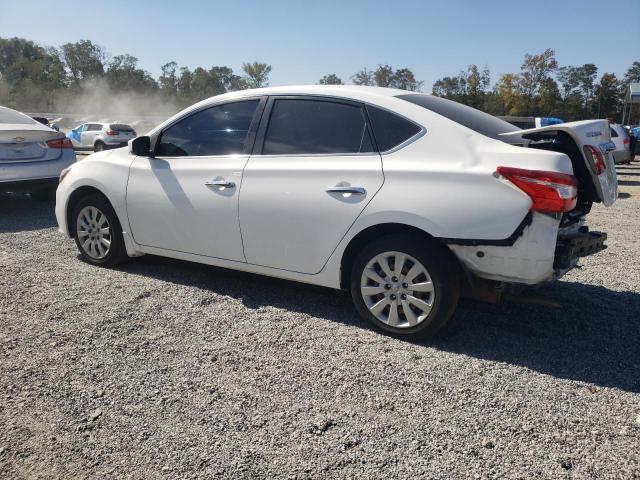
112 132
626 140
60 143
550 192
595 156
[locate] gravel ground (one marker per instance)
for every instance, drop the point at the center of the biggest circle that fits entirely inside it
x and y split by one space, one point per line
167 369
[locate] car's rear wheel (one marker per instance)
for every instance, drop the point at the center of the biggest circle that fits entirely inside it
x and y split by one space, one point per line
97 232
405 285
98 147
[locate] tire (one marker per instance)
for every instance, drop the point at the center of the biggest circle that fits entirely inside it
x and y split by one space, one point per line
44 194
91 216
432 260
98 147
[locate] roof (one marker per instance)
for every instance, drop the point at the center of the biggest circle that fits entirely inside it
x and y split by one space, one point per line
348 91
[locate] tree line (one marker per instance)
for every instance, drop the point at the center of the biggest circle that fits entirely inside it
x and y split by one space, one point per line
38 78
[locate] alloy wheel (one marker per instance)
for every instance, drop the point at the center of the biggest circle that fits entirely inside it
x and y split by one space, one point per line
397 289
94 232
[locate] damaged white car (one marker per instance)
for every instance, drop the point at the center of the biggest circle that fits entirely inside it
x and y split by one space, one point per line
405 199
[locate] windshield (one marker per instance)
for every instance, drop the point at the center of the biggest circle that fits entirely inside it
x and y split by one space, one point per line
11 116
476 120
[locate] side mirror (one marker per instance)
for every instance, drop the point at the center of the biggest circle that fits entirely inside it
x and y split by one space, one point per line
141 146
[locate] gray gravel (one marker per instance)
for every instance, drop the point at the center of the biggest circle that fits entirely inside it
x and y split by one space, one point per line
175 370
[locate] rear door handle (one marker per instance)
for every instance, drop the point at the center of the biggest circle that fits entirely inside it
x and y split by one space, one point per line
220 183
341 189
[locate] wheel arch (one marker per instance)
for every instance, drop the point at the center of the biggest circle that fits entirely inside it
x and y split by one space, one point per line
75 197
362 238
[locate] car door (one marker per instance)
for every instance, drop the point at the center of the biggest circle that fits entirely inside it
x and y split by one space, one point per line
89 133
185 198
313 171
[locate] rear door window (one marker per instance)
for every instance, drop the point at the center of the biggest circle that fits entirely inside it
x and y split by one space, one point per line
218 130
390 130
310 126
614 134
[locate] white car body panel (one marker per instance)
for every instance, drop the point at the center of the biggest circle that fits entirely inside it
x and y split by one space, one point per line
441 183
287 217
168 204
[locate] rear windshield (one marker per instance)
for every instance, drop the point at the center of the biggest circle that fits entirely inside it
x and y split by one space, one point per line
11 116
476 120
119 127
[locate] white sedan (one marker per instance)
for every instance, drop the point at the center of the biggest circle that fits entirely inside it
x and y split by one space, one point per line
404 199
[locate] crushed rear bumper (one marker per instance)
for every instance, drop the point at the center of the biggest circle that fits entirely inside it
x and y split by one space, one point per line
576 245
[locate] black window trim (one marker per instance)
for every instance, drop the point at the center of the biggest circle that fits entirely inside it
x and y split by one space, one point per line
251 137
266 117
420 133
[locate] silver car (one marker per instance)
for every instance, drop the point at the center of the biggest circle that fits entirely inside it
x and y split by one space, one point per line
620 137
32 155
101 136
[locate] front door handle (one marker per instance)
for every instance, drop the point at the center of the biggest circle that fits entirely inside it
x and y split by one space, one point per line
345 189
220 183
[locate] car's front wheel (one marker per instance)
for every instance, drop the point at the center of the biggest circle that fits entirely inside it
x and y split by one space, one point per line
98 147
97 232
405 285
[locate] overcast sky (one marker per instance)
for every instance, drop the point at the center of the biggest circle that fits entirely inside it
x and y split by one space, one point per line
305 40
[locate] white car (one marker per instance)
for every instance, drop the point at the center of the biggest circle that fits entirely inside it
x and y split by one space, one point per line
101 136
32 155
402 198
620 138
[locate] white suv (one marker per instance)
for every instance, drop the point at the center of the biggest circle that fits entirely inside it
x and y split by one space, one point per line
405 199
100 136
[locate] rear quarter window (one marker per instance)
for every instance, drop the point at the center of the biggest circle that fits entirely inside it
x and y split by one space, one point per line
390 130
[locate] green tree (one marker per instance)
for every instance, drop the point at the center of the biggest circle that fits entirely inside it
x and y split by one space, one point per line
452 88
608 102
256 74
508 90
363 77
404 79
84 60
534 71
469 87
123 74
383 76
168 80
578 86
632 75
226 80
330 79
32 76
549 100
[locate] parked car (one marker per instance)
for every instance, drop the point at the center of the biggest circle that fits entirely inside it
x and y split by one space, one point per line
32 155
531 122
404 199
620 137
101 136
